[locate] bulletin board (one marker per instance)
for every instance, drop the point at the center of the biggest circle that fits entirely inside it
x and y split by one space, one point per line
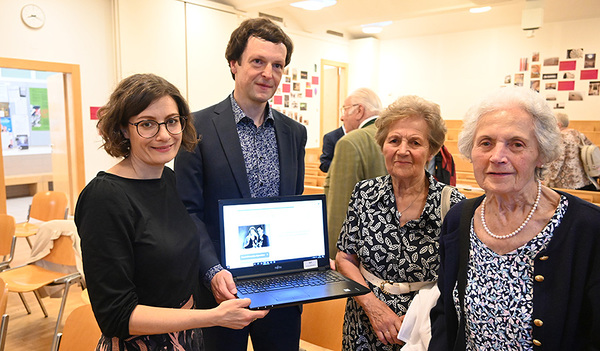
564 79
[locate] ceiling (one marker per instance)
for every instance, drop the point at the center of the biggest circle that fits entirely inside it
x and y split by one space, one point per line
413 17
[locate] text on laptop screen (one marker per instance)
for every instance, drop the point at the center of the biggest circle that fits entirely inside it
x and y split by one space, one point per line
271 232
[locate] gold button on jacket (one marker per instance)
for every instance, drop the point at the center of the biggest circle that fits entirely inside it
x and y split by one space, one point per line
538 322
537 342
539 278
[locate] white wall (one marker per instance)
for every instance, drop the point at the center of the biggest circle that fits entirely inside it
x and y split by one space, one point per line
454 70
76 32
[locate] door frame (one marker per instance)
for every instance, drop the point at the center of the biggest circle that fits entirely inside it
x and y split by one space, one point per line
73 122
342 84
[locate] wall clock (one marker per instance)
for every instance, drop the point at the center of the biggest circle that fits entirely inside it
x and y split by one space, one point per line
33 16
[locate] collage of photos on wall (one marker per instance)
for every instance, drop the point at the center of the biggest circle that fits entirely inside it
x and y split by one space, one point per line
298 96
572 77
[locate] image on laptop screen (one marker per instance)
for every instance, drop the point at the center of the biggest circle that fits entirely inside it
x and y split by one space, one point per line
272 232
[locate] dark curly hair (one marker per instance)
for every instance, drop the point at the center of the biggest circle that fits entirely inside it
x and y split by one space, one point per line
256 27
132 96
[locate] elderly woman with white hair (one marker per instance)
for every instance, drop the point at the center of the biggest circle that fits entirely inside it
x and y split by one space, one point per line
520 268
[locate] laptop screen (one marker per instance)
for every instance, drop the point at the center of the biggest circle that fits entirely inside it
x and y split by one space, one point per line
273 234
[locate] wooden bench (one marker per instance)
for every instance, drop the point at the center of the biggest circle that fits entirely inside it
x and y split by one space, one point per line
36 182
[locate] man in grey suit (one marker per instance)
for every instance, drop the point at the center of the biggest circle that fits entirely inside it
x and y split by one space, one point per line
247 150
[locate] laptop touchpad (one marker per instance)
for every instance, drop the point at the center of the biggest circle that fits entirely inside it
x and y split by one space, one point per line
289 294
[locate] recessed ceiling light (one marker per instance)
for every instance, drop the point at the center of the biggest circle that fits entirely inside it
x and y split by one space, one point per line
480 9
374 28
314 5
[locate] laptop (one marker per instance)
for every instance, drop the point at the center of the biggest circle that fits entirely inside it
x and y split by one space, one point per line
277 251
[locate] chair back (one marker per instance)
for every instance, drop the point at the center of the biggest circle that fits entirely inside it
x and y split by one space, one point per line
7 233
62 252
81 332
322 323
3 296
49 205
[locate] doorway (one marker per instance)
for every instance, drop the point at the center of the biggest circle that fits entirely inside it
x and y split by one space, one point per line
68 171
334 89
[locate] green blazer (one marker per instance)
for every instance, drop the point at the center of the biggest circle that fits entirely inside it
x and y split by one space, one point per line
357 157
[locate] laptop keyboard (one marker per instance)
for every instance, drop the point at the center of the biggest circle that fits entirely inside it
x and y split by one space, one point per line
313 278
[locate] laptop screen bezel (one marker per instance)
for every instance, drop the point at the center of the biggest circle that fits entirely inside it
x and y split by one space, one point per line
281 266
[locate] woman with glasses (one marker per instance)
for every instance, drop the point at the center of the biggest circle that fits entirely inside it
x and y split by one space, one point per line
140 247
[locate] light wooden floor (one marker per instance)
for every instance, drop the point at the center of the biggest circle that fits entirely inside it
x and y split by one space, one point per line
33 332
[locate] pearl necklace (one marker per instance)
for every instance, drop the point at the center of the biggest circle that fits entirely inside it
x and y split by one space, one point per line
535 205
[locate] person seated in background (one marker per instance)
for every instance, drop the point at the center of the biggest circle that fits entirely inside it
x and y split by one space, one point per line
442 167
141 250
357 157
389 240
519 266
567 170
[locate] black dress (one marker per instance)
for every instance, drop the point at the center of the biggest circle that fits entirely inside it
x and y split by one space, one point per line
139 247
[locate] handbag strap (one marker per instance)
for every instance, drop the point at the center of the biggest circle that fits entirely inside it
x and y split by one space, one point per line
445 201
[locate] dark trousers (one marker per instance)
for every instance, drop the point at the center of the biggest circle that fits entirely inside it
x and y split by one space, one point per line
278 331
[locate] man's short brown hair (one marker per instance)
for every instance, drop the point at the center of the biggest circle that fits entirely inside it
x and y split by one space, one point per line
262 28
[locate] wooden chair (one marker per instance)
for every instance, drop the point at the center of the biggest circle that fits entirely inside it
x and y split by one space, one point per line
31 277
7 240
4 322
322 323
44 207
81 332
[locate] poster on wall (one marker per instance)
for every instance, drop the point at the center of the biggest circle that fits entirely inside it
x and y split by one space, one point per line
38 112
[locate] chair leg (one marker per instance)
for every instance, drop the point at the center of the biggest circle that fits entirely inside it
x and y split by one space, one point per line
56 338
25 303
39 299
29 242
3 331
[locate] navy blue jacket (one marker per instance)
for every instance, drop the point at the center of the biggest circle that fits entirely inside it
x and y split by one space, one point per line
567 301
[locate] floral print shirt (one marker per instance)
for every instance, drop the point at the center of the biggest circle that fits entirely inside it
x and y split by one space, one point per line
499 291
567 170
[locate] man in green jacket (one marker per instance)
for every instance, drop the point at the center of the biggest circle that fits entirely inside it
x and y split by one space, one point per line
357 157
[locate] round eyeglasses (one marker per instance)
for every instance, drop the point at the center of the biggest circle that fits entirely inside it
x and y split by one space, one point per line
149 128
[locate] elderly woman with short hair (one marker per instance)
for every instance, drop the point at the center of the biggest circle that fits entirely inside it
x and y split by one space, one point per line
389 240
520 268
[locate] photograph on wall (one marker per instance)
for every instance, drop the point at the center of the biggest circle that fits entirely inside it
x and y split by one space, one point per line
523 64
287 79
568 75
575 53
575 96
519 79
535 57
566 85
303 106
550 86
590 61
294 74
6 124
549 75
286 100
559 105
535 85
594 89
507 79
535 71
550 97
551 61
4 109
296 86
303 75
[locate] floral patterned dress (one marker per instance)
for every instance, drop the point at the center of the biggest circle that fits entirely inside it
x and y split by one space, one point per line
499 292
399 254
